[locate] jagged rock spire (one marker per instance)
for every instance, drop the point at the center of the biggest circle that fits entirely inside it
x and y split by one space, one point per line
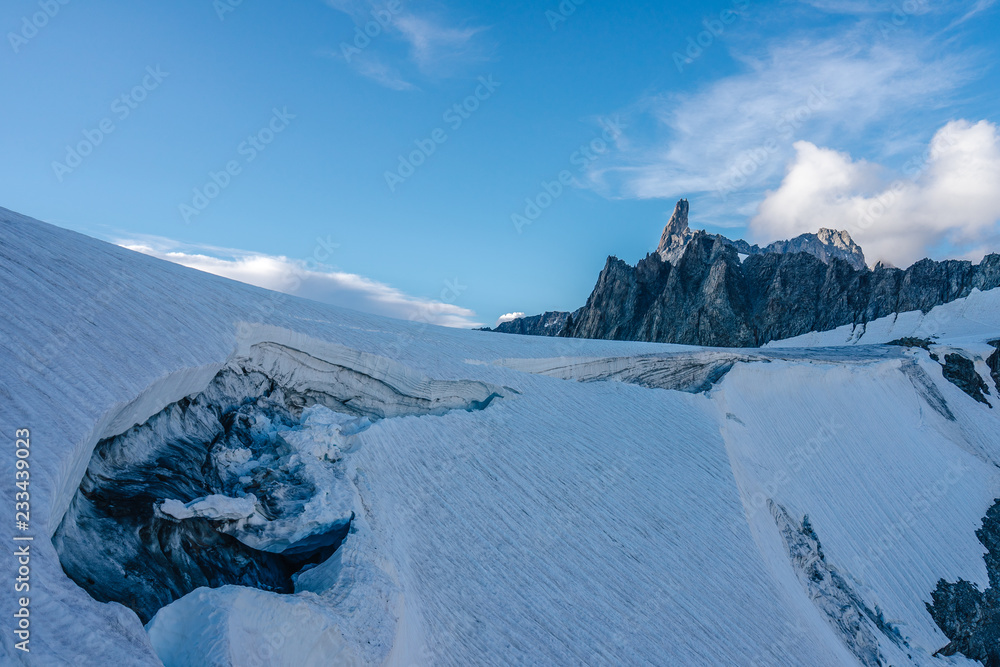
679 220
676 233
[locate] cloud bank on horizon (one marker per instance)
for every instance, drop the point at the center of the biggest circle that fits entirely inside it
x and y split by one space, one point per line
311 281
949 198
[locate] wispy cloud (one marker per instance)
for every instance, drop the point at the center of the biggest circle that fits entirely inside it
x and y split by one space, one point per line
897 11
307 280
369 66
853 7
432 47
432 44
978 8
736 133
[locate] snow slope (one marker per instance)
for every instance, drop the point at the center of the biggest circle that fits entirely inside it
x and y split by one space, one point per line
596 511
972 319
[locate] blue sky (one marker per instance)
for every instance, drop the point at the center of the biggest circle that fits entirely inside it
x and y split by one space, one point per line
263 141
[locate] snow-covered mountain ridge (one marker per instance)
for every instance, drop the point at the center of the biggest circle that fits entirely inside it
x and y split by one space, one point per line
512 500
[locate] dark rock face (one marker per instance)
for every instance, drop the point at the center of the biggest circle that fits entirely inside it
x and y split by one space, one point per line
655 300
961 372
970 618
993 361
547 324
710 298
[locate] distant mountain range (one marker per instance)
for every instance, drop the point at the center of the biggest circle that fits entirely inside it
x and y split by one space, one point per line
705 289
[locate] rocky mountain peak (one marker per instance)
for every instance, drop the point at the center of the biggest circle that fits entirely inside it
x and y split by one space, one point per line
676 234
678 223
840 238
826 244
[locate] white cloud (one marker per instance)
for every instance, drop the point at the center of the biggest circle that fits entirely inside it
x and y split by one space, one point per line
507 318
945 203
734 134
310 281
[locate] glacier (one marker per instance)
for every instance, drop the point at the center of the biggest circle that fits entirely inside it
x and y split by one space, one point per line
468 497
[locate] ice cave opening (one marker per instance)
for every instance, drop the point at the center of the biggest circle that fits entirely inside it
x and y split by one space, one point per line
210 491
240 484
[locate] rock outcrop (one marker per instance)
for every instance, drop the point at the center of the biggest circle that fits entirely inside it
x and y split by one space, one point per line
546 324
827 244
993 361
961 372
970 618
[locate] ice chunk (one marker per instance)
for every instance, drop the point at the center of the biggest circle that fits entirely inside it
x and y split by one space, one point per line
214 508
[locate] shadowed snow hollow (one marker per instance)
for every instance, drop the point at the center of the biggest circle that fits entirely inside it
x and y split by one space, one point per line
242 483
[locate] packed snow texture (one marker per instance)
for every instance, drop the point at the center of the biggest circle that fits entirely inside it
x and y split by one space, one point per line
600 522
